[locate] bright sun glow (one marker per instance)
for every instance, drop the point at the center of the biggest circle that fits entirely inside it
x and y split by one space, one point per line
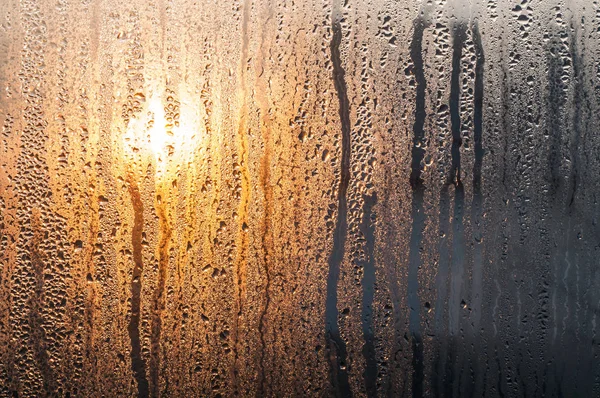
166 128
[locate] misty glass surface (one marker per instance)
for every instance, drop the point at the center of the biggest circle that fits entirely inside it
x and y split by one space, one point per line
281 198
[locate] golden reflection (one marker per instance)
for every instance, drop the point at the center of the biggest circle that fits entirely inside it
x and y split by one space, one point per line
166 130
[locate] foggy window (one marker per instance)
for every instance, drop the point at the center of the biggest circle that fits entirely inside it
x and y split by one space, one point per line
299 198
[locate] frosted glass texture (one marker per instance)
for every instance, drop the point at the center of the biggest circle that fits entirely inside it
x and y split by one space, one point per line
282 198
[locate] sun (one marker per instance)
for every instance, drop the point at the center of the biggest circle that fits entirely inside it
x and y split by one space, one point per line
166 130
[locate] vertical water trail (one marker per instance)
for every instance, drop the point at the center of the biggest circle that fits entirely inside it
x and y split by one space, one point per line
165 232
335 344
477 208
418 216
138 365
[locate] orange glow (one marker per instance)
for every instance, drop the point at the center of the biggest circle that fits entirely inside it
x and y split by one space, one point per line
165 129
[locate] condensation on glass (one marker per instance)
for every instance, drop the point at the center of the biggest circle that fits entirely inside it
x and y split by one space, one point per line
299 198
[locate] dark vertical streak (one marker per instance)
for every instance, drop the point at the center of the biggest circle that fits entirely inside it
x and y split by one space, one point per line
477 208
368 284
138 365
418 152
477 191
336 345
159 297
418 217
459 39
478 111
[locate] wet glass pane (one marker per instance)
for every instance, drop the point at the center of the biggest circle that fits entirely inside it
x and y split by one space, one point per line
299 198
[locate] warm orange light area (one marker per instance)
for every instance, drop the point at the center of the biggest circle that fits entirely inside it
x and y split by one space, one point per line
166 129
